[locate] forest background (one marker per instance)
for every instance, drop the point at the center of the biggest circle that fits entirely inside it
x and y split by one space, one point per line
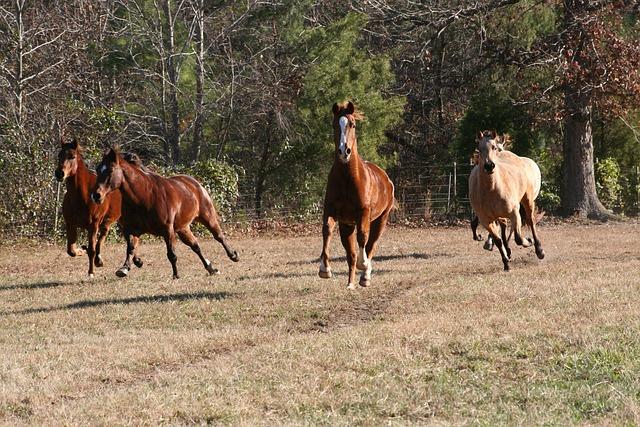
239 94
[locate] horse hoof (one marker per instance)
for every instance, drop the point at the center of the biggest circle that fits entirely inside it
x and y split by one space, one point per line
540 253
99 262
90 275
137 262
508 253
234 257
365 282
478 238
506 268
122 272
175 276
213 271
351 286
325 274
487 246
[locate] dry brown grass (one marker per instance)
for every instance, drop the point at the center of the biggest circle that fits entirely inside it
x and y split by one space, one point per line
442 336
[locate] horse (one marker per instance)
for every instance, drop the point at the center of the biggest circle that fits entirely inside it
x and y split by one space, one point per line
359 197
503 143
501 184
79 210
156 205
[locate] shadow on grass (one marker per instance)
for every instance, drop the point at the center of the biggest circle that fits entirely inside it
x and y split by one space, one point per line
42 285
143 299
311 274
382 258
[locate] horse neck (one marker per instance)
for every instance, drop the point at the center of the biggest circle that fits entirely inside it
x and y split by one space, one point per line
134 185
81 182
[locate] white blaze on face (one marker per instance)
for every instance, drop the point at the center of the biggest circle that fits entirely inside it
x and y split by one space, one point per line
342 148
102 169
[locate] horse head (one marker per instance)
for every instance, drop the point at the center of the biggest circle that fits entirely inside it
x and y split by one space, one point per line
344 130
489 146
68 159
110 175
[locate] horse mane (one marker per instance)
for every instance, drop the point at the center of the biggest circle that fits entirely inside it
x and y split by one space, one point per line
357 114
134 159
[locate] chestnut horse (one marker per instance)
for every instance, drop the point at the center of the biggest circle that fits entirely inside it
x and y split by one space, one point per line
359 196
161 206
79 210
501 184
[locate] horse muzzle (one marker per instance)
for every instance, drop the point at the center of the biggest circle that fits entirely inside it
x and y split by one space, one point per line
59 175
489 167
345 155
96 197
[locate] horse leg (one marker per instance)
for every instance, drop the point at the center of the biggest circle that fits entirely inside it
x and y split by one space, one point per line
474 227
377 228
136 259
132 242
363 227
210 221
187 237
347 236
505 239
328 224
170 241
91 250
72 238
516 227
530 209
102 235
493 231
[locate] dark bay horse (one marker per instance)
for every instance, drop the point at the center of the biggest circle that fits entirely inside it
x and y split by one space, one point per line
79 210
359 196
500 185
161 206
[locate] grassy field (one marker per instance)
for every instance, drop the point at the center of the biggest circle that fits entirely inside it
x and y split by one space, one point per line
442 336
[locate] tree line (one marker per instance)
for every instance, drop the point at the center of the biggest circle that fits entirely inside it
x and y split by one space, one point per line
238 93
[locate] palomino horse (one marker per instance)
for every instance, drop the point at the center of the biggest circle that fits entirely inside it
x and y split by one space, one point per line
77 207
359 196
161 206
499 186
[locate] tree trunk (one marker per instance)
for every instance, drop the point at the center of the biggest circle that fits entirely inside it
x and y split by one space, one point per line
172 73
199 107
578 187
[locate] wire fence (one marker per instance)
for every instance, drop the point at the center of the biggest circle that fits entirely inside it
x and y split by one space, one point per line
423 193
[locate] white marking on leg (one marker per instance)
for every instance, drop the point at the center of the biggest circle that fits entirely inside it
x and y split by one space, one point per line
365 277
363 262
325 270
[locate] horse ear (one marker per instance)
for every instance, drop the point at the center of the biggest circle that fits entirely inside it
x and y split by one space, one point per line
335 109
110 155
480 135
351 108
494 134
74 143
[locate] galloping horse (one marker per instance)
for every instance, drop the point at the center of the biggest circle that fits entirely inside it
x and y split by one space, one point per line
79 210
499 187
161 206
359 196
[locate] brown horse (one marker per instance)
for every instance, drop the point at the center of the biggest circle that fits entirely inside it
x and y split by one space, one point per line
79 210
498 188
359 196
161 206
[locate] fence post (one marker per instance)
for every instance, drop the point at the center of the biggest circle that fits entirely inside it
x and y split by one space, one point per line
455 189
637 190
55 218
449 194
